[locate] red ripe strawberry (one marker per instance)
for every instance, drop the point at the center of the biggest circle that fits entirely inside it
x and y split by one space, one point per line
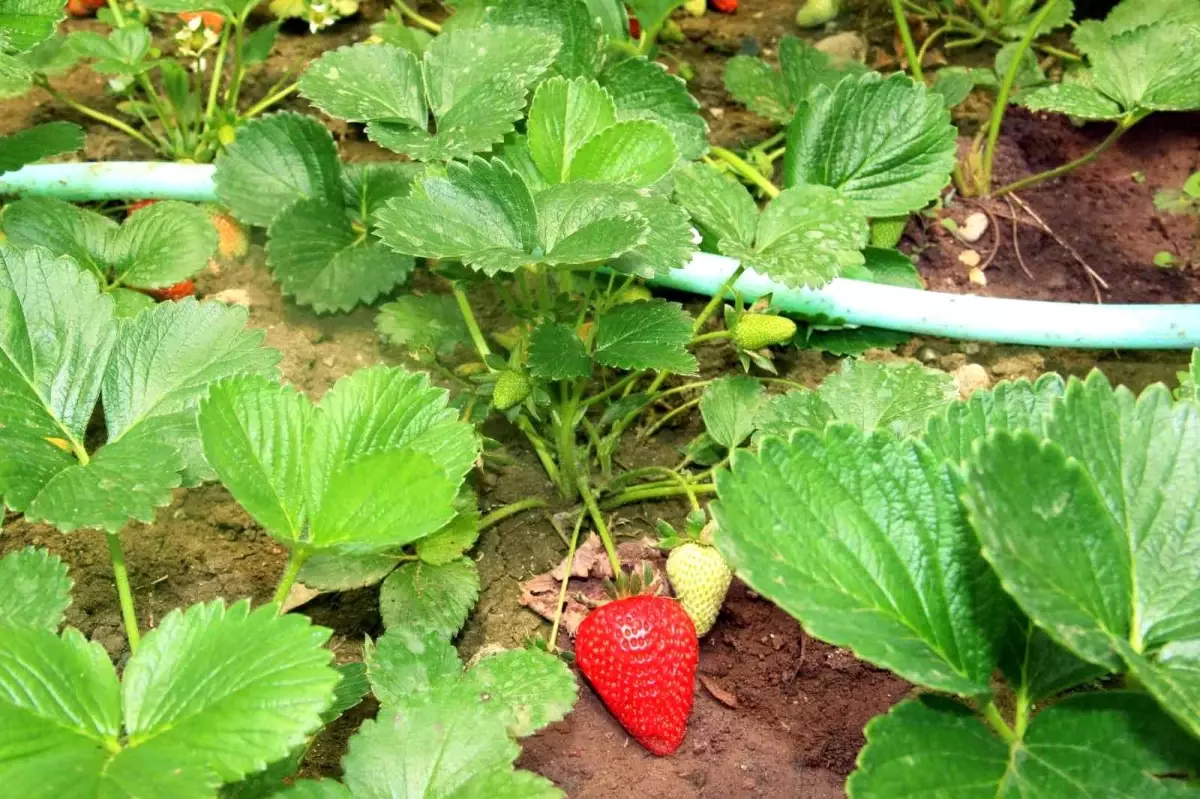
725 6
635 27
139 205
177 291
640 655
209 19
83 8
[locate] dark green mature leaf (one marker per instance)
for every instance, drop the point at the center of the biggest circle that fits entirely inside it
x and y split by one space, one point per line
260 43
887 267
850 340
340 571
211 695
563 116
774 94
1130 14
276 160
425 322
804 237
1088 745
425 598
350 691
162 245
314 789
783 414
730 406
645 335
862 538
1036 666
717 202
367 82
27 23
569 21
954 84
36 591
885 143
899 397
643 89
557 353
319 258
63 229
1010 405
1172 677
40 141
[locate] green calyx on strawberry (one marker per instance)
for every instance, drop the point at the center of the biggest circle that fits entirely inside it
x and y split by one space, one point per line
512 387
698 574
640 654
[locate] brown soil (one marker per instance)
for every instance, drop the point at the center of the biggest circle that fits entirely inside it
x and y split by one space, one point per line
800 704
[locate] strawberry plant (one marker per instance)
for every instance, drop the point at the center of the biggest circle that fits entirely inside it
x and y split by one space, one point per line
64 350
1043 532
40 141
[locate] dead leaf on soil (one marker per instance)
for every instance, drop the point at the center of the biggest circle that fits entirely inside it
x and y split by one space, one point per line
300 595
588 572
720 694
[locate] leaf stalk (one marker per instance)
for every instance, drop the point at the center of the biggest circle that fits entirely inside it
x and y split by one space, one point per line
124 594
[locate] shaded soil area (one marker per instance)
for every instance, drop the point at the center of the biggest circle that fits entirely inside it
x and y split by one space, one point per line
777 713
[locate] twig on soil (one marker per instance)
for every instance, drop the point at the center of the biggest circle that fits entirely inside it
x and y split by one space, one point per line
1093 276
995 236
1016 238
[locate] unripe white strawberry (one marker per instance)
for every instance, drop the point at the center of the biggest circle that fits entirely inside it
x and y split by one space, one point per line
700 578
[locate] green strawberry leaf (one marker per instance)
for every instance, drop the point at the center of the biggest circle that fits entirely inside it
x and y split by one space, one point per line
122 52
565 114
954 84
653 13
322 260
885 143
27 23
37 590
1149 68
611 17
730 406
260 43
430 599
1010 405
62 228
645 335
340 571
423 323
850 340
368 82
887 267
1106 744
763 90
351 689
162 245
128 303
1172 676
557 353
276 160
637 152
1073 99
16 76
404 663
314 789
1061 15
669 241
211 695
583 222
643 89
718 203
1130 14
366 187
895 574
452 541
570 22
1036 666
41 141
804 237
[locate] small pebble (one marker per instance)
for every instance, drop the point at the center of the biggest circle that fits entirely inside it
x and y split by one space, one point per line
973 228
970 257
977 277
970 378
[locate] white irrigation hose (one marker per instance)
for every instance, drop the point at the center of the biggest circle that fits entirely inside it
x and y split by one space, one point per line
932 313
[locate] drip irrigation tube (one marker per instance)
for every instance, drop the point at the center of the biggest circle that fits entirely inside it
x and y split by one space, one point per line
932 313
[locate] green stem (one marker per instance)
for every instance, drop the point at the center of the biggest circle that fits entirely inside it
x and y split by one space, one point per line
991 715
982 13
1023 708
295 562
567 466
118 17
713 336
611 390
540 448
672 476
1058 52
746 171
239 71
512 509
472 325
589 501
270 100
767 144
718 298
640 494
97 115
424 22
929 40
128 614
1082 160
668 416
1006 87
214 85
562 589
910 51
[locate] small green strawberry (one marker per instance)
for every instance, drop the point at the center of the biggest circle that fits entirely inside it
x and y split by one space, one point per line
634 293
511 387
755 331
700 578
888 230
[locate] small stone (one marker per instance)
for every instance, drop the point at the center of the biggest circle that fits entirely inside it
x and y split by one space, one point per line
970 378
977 277
815 13
973 228
970 257
972 348
716 112
844 47
927 355
233 297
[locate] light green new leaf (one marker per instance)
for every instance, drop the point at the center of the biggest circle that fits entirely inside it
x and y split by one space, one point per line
1010 405
645 335
128 303
56 333
643 89
637 152
717 202
37 590
321 260
730 406
863 539
584 222
429 322
533 687
41 141
480 212
366 187
405 662
1130 14
433 599
565 114
886 144
804 237
122 52
653 13
1152 67
782 414
1089 745
568 21
557 353
27 23
276 160
452 541
162 245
